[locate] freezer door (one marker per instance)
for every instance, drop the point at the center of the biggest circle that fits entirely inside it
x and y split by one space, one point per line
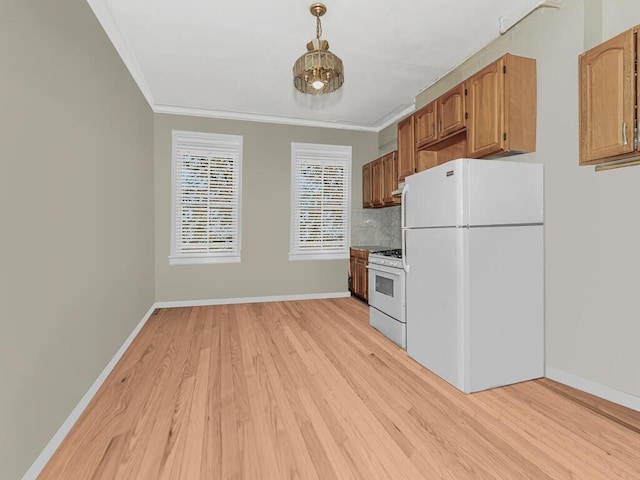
433 198
434 302
505 193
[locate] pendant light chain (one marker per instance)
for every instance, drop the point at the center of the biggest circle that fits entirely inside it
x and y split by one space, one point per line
318 28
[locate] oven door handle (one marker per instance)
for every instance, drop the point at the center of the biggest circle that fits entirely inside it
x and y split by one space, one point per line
391 271
403 225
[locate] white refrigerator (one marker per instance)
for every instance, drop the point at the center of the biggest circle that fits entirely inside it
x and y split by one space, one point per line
473 252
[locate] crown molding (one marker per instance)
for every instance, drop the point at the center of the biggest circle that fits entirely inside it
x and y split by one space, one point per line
255 117
395 118
103 11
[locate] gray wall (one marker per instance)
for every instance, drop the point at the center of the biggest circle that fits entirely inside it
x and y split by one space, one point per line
592 233
76 203
265 269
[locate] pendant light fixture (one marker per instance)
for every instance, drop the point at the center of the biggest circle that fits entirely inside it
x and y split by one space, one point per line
318 71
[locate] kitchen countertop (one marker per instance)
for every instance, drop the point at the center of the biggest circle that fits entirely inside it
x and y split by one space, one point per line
371 248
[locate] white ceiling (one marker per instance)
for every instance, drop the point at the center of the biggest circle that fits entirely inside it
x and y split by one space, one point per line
234 58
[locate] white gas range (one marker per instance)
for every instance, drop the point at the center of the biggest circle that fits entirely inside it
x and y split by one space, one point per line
386 295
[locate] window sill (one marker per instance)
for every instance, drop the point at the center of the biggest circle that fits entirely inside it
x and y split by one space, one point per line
293 257
197 260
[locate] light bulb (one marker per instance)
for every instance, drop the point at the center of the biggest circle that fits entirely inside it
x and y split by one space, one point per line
317 84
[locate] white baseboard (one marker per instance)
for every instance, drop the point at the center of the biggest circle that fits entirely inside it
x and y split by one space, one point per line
62 432
229 301
54 443
597 389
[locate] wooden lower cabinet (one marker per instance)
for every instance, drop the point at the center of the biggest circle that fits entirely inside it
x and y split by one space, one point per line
358 261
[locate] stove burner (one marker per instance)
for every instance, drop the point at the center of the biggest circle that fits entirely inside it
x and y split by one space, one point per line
396 253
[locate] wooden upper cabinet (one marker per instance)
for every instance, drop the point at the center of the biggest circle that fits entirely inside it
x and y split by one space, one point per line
379 179
440 118
377 183
406 148
366 186
451 111
486 104
501 103
390 168
607 100
490 114
425 124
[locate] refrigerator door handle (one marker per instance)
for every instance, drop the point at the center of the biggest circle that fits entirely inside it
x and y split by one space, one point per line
403 225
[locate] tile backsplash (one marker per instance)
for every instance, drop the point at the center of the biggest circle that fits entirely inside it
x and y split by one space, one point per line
376 226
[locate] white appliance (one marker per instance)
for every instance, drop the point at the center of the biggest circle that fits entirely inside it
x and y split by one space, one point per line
472 233
386 295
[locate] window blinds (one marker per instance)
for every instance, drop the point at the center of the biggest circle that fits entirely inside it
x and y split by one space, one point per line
320 201
206 213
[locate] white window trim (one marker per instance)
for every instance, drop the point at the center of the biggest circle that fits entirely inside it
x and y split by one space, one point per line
323 153
207 142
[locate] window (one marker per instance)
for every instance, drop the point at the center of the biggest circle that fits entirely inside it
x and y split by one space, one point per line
320 191
205 223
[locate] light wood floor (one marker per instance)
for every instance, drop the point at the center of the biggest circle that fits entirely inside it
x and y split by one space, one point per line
307 390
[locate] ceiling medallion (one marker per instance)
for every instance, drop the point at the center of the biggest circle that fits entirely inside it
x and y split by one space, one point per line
318 71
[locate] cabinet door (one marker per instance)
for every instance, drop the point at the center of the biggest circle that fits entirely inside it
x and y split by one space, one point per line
377 183
607 99
406 148
425 124
358 260
485 126
352 270
451 111
390 167
366 186
363 278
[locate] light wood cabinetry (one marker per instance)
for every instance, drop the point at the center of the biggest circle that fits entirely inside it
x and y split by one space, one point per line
451 111
406 148
352 270
390 169
379 179
377 183
608 100
358 261
425 121
440 118
491 114
436 154
501 103
367 201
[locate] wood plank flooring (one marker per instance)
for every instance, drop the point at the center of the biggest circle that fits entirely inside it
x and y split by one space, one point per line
307 390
